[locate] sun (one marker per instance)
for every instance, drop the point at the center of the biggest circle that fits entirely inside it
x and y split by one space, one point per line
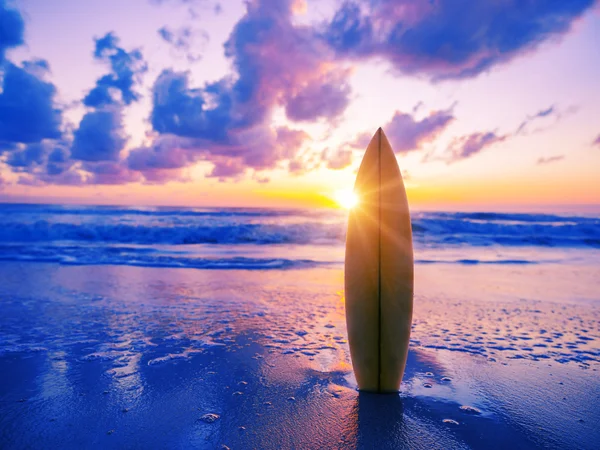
346 198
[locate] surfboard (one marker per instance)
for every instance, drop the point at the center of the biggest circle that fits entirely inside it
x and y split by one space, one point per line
379 271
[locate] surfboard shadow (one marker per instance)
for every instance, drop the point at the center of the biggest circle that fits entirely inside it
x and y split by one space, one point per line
380 420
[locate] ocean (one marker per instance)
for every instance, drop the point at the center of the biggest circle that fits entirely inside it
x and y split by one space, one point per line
244 238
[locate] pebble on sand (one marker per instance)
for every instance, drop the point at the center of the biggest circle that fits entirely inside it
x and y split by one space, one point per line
209 418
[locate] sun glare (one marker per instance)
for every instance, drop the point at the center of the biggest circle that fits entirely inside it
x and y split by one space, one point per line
346 198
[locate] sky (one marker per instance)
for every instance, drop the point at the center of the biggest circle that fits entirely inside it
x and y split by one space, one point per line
488 105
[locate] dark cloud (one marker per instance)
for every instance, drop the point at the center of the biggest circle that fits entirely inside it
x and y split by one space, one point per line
43 160
466 146
596 141
11 29
182 111
445 39
100 136
27 111
27 157
550 159
126 70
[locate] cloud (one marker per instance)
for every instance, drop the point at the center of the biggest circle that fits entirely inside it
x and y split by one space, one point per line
166 152
30 124
100 136
27 111
406 133
551 112
550 159
596 141
277 64
44 161
325 97
126 70
110 172
185 41
339 159
448 39
28 156
99 140
11 29
543 113
194 7
163 160
467 146
193 113
225 168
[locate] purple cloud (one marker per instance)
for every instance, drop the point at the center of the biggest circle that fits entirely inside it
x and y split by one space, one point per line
110 172
596 141
448 38
466 146
406 134
550 159
339 159
163 160
324 97
225 168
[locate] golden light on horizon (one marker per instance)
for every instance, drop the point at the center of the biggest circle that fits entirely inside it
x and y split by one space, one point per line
346 198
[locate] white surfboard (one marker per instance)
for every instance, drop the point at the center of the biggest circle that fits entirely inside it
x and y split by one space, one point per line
379 271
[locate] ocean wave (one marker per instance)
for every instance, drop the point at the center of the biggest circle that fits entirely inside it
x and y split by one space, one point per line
194 258
145 257
28 209
238 233
231 226
427 231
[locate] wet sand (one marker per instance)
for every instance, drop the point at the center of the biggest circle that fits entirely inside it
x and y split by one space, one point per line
131 357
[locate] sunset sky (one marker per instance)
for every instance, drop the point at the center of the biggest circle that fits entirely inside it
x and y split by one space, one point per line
488 105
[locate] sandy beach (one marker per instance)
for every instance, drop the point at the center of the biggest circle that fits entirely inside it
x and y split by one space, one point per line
134 357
